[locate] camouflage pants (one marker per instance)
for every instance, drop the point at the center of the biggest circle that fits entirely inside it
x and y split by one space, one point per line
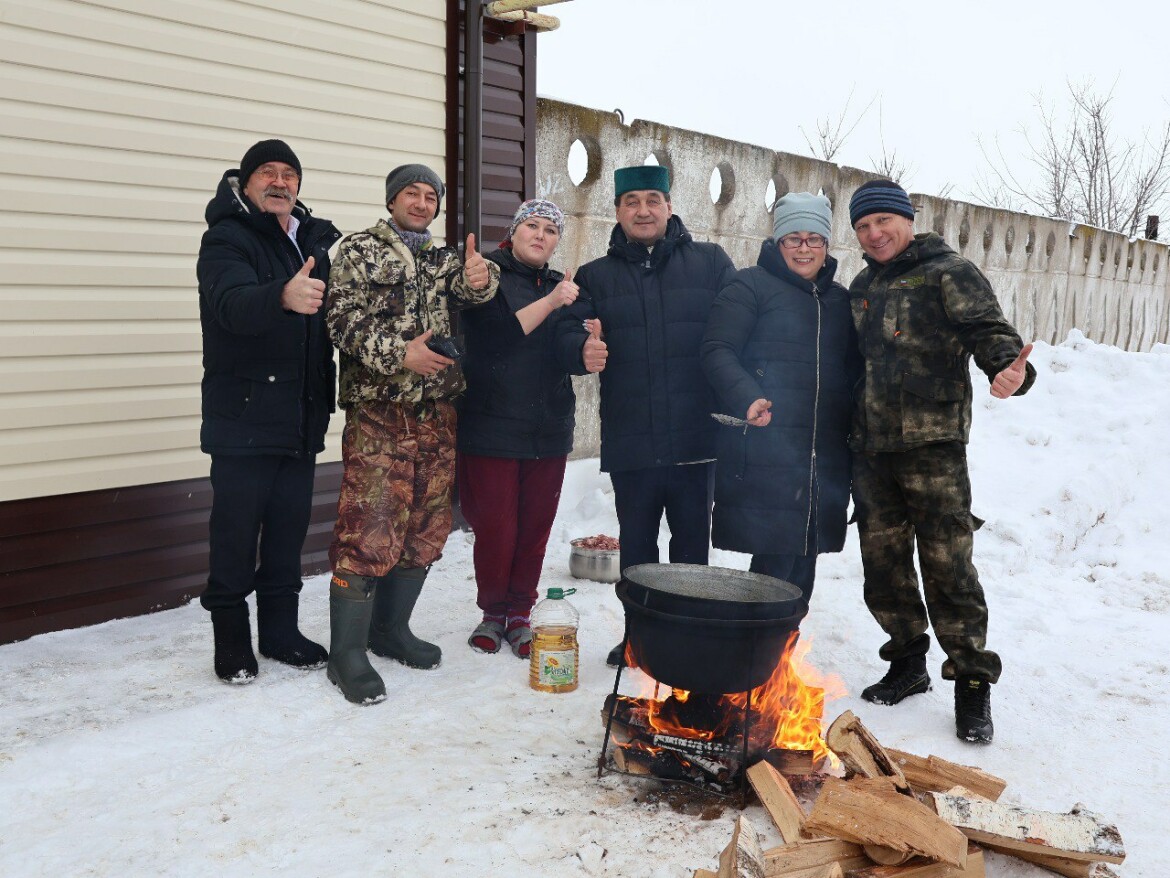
395 503
923 494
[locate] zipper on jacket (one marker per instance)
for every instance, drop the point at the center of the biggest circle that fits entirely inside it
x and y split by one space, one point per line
812 469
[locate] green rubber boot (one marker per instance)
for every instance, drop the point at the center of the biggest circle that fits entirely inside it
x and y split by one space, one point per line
351 604
390 634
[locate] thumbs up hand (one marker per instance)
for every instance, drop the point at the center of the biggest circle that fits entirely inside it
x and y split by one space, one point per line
1010 379
594 352
303 294
475 270
564 293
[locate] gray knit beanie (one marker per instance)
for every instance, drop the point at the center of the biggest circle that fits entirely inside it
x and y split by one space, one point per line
802 212
404 175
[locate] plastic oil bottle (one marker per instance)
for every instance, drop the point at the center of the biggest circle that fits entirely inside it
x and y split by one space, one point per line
553 659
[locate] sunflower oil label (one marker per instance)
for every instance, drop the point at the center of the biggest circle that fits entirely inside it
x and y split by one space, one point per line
557 667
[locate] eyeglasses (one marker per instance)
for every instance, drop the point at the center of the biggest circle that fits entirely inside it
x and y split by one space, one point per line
270 173
794 242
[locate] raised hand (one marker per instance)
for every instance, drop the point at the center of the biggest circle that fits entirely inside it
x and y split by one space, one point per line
759 413
564 293
475 269
594 352
1010 379
421 359
303 294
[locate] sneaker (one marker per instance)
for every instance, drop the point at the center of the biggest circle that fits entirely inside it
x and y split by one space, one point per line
617 657
906 676
973 710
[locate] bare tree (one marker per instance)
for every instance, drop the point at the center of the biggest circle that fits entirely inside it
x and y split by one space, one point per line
888 164
832 133
1085 172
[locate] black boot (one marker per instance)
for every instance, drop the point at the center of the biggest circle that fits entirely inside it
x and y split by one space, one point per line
280 639
390 634
907 676
351 603
234 660
973 710
617 656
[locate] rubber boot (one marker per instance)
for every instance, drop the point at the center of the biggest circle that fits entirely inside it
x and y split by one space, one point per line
973 710
351 603
234 660
280 638
907 676
390 634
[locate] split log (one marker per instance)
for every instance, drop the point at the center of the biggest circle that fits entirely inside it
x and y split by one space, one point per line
778 800
1062 866
705 873
872 811
791 859
920 868
792 762
832 870
861 752
743 858
884 856
932 774
1080 835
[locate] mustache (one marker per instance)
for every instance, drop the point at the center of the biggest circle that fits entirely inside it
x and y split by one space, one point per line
274 192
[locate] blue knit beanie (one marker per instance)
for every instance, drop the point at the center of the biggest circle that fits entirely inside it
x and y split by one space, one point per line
802 212
879 196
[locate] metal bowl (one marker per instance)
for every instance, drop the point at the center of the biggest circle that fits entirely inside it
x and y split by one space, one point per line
599 565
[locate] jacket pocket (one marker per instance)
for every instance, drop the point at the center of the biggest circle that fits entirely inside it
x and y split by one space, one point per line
932 408
272 392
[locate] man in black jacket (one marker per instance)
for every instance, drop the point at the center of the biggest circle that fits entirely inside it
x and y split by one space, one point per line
651 294
268 390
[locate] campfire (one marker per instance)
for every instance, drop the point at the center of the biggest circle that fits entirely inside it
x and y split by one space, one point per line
708 739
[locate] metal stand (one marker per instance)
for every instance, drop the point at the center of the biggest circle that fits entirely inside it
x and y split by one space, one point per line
748 709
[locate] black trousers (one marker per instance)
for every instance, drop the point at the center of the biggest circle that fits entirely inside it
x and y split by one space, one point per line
260 511
798 570
684 492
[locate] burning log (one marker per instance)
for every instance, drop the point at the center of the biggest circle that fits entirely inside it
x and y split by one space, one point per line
743 858
861 752
932 774
871 811
1079 836
778 800
793 762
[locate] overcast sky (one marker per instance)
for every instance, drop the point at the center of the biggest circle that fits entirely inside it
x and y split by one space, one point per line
942 74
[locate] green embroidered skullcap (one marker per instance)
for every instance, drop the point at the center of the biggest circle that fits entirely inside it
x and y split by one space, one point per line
641 177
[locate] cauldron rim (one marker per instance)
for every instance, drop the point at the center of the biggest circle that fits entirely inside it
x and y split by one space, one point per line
771 583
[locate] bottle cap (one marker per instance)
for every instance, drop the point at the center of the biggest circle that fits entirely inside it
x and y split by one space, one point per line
557 594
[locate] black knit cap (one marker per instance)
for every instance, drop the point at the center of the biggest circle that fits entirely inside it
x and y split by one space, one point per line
264 152
879 196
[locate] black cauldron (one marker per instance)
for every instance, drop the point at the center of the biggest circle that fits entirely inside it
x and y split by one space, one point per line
708 629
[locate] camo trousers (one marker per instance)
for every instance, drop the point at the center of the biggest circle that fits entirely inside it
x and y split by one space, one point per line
923 494
395 502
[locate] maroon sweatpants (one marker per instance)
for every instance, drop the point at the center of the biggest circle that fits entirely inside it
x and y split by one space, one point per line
510 505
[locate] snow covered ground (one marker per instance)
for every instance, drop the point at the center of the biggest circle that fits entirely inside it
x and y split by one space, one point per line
122 754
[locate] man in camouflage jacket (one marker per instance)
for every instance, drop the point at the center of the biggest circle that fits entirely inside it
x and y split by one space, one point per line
922 312
391 291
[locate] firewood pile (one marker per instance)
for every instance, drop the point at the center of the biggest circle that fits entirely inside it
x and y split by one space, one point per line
896 815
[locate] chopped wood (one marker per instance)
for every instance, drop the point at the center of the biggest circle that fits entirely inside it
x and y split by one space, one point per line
705 873
789 859
884 856
792 762
831 870
1063 866
873 811
920 868
861 752
1080 835
933 774
742 858
778 800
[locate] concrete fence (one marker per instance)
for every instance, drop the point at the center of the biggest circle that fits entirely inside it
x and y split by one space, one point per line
1051 276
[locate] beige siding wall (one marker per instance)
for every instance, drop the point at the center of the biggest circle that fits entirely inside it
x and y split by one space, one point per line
117 119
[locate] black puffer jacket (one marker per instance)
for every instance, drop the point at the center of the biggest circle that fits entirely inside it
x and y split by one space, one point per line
655 402
774 335
519 402
268 375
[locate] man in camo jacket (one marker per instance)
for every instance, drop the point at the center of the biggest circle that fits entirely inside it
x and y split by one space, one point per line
922 312
391 291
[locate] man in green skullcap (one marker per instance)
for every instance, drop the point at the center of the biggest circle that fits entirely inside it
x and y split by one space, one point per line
650 295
